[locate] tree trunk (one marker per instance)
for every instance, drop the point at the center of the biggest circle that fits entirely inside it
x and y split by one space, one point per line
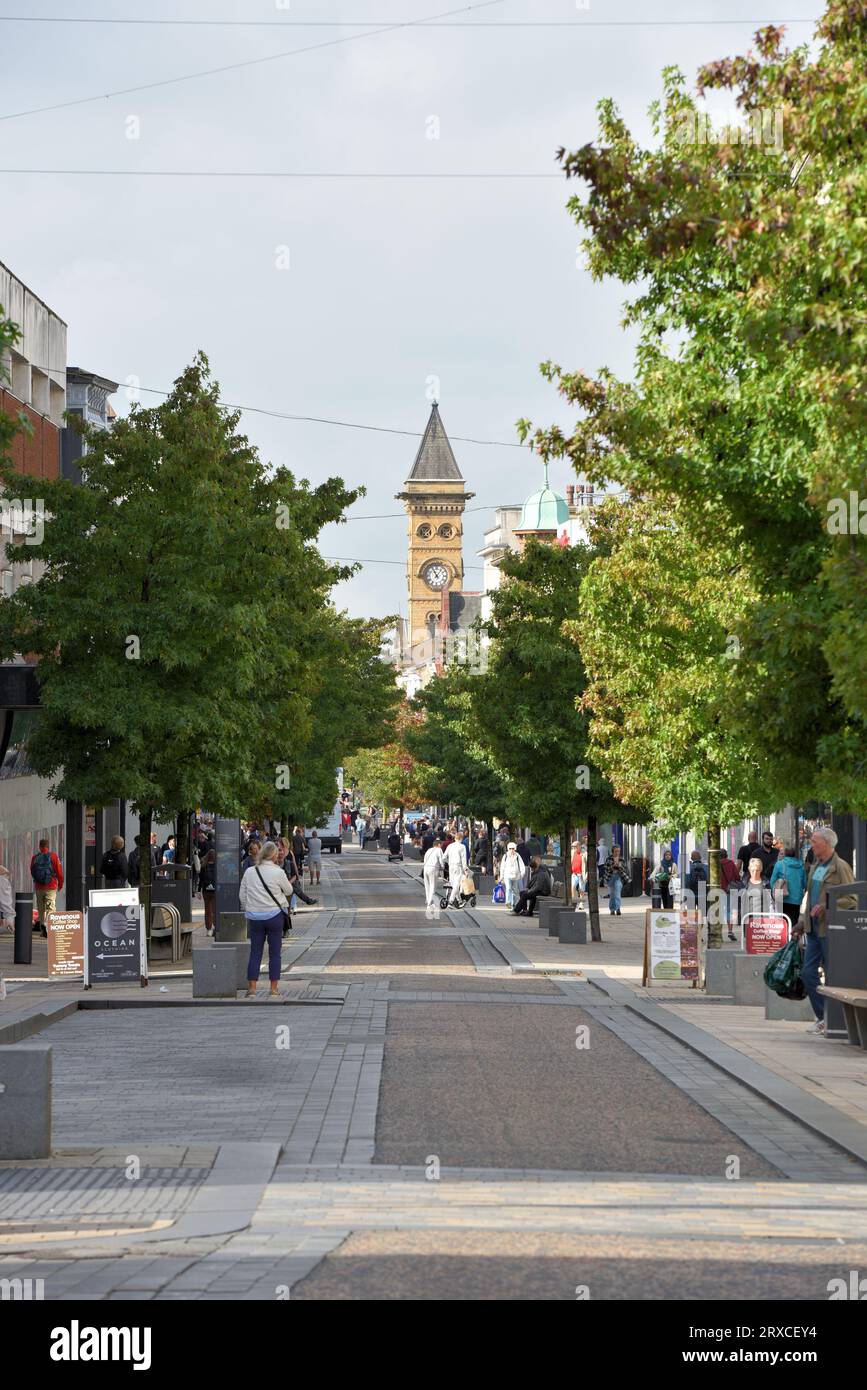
145 821
182 840
593 881
566 859
714 916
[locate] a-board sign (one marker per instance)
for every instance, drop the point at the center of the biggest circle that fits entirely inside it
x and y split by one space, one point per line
65 944
115 945
765 932
112 897
671 945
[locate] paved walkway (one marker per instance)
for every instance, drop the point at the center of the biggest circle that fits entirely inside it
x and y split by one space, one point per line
459 1127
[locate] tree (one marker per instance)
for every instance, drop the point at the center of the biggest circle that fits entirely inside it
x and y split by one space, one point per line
391 776
748 259
353 697
171 579
658 635
528 704
447 740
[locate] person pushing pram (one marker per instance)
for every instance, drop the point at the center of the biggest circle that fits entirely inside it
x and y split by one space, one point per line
461 883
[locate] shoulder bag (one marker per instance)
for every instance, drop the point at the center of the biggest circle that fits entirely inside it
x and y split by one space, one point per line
287 924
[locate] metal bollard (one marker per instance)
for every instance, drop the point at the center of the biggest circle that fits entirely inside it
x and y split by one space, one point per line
23 949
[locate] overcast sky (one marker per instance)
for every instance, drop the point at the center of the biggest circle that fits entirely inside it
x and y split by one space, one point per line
390 282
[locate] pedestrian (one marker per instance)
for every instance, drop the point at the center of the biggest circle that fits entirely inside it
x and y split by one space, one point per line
615 873
512 872
314 856
481 849
264 896
748 852
770 853
579 881
755 899
428 840
729 874
828 870
523 849
455 856
791 875
251 856
195 867
290 867
208 888
46 871
695 874
664 878
7 900
115 865
538 886
133 871
169 850
299 847
433 869
361 827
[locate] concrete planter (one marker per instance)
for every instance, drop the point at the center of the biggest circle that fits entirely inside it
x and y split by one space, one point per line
544 906
571 926
790 1010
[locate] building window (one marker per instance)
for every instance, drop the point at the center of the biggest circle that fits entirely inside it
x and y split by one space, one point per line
424 531
447 531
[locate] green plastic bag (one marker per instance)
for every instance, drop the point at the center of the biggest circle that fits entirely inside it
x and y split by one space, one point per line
783 971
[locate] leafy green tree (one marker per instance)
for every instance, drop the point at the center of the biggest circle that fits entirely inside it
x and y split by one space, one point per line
447 739
746 257
352 701
659 638
171 580
391 776
528 704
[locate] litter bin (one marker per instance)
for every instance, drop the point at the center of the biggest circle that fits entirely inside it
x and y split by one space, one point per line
847 950
172 884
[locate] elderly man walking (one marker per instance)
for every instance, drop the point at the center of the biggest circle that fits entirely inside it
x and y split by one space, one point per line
828 870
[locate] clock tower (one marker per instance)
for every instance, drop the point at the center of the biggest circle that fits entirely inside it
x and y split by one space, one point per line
434 497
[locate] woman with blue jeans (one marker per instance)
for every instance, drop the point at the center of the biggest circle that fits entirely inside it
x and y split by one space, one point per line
264 895
828 870
615 873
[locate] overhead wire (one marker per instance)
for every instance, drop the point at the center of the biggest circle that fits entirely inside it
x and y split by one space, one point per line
244 63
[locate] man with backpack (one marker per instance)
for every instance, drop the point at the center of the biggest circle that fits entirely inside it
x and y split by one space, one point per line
46 871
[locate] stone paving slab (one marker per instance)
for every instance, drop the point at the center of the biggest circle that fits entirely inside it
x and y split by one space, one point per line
505 1086
495 1265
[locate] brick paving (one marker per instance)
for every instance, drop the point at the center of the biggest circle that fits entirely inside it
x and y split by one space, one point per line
556 1167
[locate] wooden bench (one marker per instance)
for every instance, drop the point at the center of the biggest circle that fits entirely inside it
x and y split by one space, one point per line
854 1003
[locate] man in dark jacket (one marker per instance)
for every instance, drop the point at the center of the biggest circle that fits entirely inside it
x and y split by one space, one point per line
133 872
539 886
114 867
480 853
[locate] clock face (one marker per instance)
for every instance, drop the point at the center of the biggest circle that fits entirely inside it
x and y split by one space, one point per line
436 576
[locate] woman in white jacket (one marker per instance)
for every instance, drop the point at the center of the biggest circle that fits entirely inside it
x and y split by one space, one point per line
512 870
265 893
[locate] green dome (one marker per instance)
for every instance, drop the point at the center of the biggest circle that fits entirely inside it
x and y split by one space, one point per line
545 510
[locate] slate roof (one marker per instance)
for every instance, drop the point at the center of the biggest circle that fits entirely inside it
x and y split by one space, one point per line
435 462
